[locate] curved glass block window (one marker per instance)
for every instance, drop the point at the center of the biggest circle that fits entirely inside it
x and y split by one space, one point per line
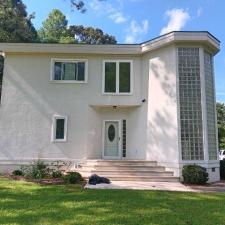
210 106
190 104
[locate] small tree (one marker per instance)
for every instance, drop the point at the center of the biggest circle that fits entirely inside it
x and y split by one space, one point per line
220 107
55 28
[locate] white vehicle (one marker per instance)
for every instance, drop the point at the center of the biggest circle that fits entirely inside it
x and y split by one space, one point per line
222 154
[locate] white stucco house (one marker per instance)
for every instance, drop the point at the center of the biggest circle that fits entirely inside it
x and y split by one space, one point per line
152 102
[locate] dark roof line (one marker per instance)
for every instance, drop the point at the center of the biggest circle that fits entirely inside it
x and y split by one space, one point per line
180 32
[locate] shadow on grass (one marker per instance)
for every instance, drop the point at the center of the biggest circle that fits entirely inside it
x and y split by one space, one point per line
26 203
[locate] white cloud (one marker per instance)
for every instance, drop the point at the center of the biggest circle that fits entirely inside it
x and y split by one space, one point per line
136 31
118 17
199 12
115 14
177 20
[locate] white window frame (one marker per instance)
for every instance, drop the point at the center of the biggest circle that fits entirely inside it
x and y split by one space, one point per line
53 137
52 75
117 61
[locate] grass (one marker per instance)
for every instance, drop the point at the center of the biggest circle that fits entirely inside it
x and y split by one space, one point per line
23 203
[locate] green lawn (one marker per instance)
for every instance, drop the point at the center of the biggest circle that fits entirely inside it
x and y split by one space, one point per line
27 203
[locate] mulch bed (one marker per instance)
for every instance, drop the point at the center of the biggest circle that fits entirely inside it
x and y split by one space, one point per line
46 181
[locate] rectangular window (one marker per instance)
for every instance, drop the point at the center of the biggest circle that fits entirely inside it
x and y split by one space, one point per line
110 77
69 70
59 130
124 74
117 77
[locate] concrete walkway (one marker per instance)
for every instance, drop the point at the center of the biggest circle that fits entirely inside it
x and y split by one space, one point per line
164 186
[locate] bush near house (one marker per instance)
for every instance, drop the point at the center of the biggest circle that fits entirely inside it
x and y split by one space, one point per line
37 170
17 173
194 174
73 178
49 173
222 169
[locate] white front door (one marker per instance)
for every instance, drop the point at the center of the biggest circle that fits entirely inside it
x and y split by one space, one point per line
111 147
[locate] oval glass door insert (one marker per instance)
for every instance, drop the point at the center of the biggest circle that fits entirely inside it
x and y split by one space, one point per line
111 132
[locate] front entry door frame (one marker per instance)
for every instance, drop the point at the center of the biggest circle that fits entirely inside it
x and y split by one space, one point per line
119 142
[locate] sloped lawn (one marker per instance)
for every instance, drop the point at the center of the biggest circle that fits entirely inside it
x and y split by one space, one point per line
23 203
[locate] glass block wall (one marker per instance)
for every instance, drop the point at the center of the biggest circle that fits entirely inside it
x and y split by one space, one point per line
210 106
190 104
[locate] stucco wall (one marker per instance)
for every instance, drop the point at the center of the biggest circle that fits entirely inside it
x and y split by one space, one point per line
162 124
29 100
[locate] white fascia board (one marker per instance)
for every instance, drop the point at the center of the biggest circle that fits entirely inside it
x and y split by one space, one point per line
182 37
69 48
117 49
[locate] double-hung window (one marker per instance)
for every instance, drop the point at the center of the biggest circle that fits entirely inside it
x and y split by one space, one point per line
68 70
59 129
117 77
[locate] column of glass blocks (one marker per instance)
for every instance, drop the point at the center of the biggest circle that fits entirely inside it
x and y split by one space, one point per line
210 106
190 104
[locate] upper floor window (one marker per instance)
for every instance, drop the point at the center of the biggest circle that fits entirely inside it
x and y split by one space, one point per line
117 77
69 70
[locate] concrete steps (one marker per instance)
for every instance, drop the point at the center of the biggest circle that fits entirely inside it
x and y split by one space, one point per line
127 170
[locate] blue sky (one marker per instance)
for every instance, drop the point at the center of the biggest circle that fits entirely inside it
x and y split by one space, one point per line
134 21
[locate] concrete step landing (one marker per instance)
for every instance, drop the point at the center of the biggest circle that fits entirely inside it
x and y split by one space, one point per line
127 170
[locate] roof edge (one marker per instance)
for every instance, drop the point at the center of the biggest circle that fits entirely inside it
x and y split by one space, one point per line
166 39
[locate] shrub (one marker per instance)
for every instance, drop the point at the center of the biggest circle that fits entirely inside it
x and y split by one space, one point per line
222 169
57 174
73 178
17 173
194 174
38 170
95 179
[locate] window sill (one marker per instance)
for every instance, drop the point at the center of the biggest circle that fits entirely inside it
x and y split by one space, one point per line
117 94
59 140
67 82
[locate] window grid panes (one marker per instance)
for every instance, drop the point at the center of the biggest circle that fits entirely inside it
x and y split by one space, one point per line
117 77
190 104
72 71
210 106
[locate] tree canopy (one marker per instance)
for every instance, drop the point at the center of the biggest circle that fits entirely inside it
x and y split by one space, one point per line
221 124
55 29
15 23
91 35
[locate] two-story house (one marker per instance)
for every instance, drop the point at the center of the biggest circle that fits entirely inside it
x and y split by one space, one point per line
145 103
